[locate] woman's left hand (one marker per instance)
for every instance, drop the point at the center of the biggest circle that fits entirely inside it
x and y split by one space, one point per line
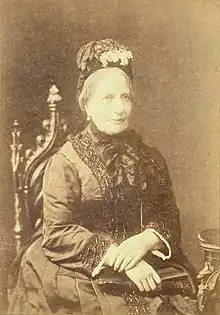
132 250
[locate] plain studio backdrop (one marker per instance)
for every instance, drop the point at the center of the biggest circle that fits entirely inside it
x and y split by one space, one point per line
176 48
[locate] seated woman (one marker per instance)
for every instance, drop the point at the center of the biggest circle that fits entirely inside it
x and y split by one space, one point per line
108 208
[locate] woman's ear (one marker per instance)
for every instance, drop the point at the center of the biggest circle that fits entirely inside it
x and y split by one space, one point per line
86 110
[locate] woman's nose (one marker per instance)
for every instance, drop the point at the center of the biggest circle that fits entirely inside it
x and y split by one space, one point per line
118 106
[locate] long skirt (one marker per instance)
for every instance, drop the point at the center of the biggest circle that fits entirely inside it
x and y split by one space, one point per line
46 288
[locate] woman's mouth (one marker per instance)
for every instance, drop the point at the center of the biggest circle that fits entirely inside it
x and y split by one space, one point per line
120 120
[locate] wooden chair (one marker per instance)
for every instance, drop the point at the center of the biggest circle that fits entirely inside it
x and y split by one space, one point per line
28 166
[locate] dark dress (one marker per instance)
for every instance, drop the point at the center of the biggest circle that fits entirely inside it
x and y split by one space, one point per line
99 190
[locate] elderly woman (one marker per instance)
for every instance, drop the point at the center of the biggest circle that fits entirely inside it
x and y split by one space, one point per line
109 209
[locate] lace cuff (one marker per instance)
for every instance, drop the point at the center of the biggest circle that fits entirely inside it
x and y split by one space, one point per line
93 252
158 253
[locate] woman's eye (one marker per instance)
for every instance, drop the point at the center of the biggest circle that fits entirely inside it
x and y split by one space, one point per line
108 97
126 97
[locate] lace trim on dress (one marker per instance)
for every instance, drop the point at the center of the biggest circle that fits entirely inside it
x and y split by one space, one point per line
83 145
93 252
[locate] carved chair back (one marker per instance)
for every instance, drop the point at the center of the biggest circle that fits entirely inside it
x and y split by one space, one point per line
28 165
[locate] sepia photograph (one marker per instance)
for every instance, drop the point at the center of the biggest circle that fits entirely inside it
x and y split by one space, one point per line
109 159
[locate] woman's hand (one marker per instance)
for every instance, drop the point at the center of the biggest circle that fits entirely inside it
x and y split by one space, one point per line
144 276
132 250
129 252
124 256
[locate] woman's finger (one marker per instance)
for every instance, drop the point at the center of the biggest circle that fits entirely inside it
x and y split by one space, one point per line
110 259
151 283
139 285
119 260
156 277
125 263
145 285
133 262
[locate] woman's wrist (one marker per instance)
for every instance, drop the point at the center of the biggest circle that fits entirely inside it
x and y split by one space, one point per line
150 240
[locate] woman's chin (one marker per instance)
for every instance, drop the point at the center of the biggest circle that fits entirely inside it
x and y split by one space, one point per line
115 129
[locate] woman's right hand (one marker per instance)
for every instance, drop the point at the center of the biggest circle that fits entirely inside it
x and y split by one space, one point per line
144 276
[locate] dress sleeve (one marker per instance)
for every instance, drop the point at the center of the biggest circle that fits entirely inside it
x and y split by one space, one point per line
161 214
64 241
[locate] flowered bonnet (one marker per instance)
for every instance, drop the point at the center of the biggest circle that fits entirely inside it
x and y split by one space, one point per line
102 54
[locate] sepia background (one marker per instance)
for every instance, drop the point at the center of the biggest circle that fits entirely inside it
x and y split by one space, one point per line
177 81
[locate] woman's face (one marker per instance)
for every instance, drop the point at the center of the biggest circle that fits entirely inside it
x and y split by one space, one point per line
110 104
